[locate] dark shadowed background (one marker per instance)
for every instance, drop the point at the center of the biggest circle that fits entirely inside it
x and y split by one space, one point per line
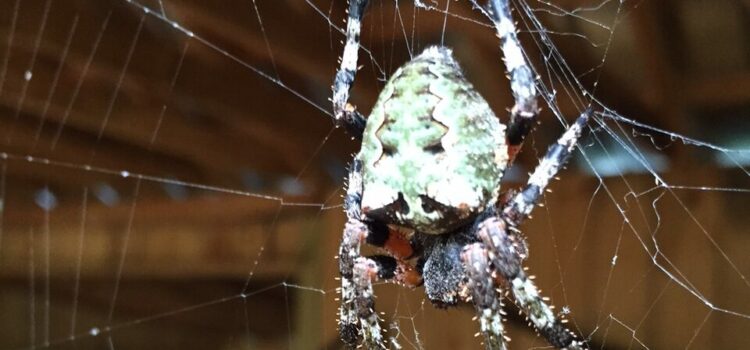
170 177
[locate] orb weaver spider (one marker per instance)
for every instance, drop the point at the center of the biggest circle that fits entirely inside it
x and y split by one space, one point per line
425 187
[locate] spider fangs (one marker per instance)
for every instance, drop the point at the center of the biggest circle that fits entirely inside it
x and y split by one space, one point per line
425 187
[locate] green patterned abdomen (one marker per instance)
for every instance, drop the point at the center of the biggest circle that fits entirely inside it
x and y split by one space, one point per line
433 152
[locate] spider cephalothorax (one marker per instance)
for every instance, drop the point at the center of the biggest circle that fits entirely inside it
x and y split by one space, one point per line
425 188
433 153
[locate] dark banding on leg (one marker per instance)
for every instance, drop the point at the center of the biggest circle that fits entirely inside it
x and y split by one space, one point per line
345 113
524 113
523 202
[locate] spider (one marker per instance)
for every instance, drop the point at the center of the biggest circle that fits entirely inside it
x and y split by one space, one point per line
425 188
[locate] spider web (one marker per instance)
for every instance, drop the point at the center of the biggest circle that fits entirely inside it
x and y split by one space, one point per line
170 177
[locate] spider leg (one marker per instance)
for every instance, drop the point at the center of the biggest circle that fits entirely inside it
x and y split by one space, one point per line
507 249
357 299
357 312
522 82
345 113
357 272
486 298
507 252
523 202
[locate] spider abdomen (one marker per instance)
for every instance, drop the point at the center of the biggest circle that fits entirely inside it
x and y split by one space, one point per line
433 152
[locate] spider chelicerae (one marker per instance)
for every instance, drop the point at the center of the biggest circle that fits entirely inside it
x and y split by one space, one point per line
425 187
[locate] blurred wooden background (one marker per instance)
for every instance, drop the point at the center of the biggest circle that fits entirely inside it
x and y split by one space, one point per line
110 117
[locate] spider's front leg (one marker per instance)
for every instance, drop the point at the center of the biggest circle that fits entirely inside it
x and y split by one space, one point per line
345 113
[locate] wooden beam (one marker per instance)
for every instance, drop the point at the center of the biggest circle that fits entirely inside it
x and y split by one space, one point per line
199 209
219 149
221 236
233 35
167 314
171 250
29 137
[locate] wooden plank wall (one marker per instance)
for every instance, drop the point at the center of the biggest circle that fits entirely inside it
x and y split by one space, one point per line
586 256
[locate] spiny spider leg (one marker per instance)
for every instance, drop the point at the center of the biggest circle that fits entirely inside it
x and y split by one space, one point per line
358 298
358 272
524 291
507 250
524 112
485 296
521 205
508 253
345 113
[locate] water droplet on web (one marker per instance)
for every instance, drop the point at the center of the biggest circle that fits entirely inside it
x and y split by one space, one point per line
94 331
27 75
124 173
